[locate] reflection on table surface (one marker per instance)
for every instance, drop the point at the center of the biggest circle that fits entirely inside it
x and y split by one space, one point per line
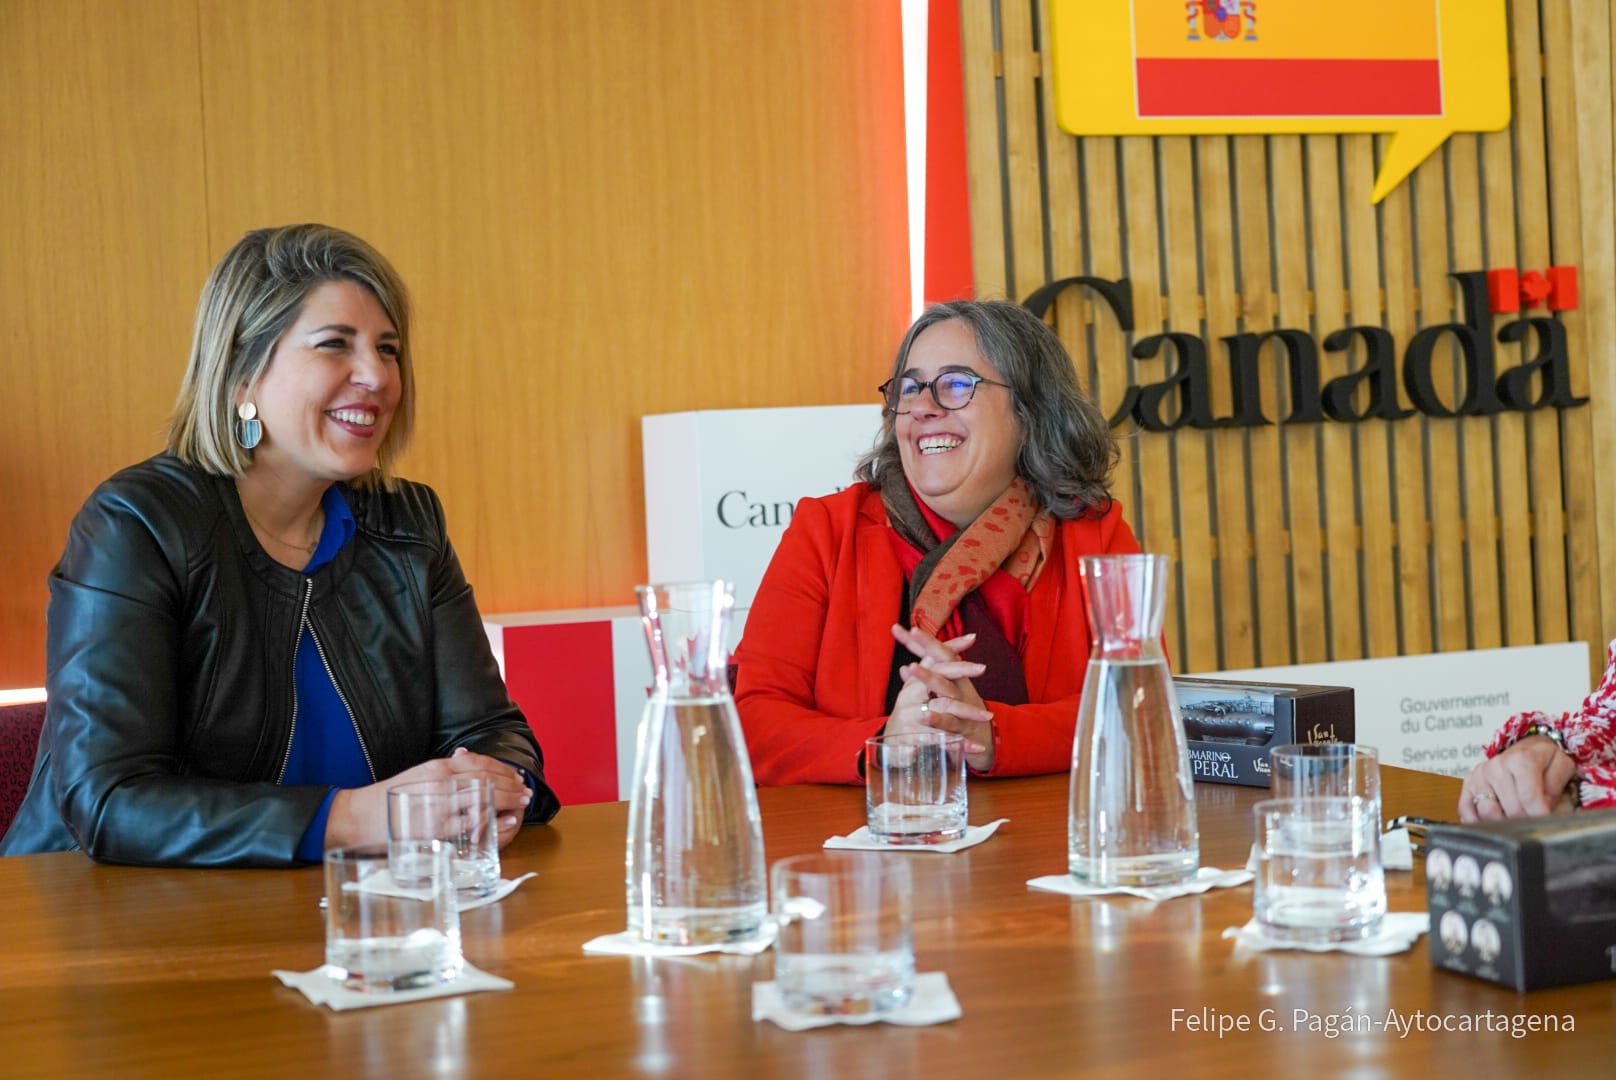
121 970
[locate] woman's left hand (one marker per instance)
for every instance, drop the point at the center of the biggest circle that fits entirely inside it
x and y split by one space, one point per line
951 702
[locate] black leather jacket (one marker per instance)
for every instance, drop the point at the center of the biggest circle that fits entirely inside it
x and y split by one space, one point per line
169 647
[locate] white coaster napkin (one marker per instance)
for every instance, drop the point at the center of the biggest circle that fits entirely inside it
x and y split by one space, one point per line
861 840
382 883
321 988
628 943
1396 852
1207 877
932 1002
1399 930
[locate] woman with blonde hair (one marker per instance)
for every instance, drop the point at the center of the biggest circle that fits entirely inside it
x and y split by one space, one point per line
252 635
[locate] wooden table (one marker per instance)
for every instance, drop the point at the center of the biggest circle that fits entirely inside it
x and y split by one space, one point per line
113 971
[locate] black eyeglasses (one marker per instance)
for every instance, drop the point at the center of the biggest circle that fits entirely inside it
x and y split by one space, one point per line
951 390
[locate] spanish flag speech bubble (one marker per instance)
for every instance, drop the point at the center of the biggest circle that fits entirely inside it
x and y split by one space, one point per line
1418 69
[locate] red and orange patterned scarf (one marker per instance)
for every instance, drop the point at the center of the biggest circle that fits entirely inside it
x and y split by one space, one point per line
1015 535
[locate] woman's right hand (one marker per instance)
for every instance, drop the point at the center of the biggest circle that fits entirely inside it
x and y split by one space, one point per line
359 815
1528 779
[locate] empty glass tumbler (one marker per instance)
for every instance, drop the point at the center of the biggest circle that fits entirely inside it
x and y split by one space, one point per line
458 811
1132 814
1325 770
695 870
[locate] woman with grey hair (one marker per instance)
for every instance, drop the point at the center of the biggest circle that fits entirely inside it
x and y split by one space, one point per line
251 636
941 592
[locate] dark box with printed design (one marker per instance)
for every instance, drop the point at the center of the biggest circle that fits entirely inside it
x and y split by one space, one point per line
1527 902
1232 725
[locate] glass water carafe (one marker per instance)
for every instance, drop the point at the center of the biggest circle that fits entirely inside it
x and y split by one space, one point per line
1132 815
695 871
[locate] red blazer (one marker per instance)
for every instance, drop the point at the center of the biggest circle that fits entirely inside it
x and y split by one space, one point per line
816 657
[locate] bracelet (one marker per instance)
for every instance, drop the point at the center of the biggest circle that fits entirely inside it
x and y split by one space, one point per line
1548 732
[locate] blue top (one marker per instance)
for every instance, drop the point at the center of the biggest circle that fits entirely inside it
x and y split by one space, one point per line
325 742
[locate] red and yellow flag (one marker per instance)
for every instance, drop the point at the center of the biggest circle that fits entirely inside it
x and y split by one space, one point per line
1228 58
1417 70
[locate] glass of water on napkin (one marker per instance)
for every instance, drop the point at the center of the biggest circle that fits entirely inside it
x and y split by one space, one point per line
380 937
914 787
1318 871
846 938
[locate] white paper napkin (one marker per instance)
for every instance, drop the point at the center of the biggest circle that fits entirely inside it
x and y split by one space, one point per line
1396 852
1399 930
861 840
932 1002
1207 877
320 987
383 884
628 943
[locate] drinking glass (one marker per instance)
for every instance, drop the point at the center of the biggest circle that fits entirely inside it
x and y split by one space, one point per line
1318 872
458 811
1328 770
380 938
846 939
914 787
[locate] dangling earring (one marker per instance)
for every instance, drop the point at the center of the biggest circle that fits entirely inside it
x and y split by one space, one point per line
249 429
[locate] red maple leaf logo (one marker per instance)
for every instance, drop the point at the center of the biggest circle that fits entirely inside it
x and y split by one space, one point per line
1534 288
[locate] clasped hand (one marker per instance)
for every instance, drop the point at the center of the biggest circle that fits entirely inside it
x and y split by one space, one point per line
359 815
938 695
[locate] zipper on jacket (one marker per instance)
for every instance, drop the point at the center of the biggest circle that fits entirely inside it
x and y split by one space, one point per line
297 637
352 719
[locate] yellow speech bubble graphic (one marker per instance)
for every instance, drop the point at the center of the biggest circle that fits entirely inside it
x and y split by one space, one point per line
1417 69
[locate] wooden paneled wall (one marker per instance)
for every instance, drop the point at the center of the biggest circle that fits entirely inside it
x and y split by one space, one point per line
603 209
1297 543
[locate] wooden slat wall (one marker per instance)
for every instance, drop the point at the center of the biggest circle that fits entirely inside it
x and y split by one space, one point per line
1297 543
93 268
1534 234
603 210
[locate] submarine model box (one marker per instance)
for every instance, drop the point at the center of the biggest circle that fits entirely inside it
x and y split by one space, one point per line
1231 726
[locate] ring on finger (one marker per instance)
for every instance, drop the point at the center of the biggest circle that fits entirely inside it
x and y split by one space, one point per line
1483 796
925 707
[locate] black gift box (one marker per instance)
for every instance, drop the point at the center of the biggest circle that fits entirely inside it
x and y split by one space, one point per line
1232 725
1526 902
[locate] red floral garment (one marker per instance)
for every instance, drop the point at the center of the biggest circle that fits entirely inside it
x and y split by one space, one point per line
1589 734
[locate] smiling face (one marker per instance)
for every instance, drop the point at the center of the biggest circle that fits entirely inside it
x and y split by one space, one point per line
328 394
958 460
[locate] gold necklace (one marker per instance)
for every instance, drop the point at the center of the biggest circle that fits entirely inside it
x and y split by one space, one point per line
308 548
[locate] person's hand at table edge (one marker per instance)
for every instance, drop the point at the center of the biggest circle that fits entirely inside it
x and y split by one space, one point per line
1528 779
359 815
